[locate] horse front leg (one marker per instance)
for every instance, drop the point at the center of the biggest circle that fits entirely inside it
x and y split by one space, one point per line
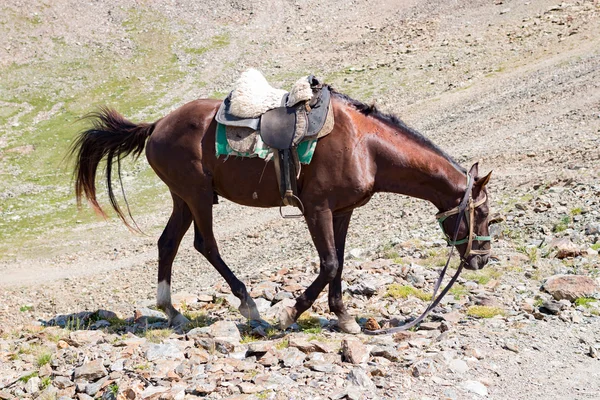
168 244
320 225
346 322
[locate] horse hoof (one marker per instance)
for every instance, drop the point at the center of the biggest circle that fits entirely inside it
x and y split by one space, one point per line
179 322
286 318
348 324
249 310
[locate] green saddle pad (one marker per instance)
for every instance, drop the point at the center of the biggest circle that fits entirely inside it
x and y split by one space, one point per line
305 149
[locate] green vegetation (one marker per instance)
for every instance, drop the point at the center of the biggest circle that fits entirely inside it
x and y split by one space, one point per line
596 246
247 338
483 276
458 291
398 291
26 378
114 389
157 335
576 211
26 308
562 225
43 359
46 381
484 311
585 301
309 324
530 251
42 101
282 344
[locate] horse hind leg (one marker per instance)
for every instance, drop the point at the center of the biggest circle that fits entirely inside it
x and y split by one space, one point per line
206 244
168 244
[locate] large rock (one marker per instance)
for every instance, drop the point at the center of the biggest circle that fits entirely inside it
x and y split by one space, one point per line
91 371
355 351
164 351
225 330
570 287
565 248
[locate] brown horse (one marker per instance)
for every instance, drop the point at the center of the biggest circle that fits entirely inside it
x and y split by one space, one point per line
367 152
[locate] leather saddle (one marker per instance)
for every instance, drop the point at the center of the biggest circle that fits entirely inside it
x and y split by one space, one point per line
282 129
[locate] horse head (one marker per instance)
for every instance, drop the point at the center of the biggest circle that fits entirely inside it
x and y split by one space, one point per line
469 222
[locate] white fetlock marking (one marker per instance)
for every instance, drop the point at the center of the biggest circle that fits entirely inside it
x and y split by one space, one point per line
163 295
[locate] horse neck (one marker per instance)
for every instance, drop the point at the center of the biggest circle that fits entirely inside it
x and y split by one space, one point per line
407 166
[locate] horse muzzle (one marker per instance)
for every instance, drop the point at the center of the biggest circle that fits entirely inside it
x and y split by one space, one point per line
476 261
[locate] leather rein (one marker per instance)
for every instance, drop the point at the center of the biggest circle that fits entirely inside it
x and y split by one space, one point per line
466 204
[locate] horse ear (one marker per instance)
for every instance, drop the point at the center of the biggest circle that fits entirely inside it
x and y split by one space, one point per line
484 181
474 171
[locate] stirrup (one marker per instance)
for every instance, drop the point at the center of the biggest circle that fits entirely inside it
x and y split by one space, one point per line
300 206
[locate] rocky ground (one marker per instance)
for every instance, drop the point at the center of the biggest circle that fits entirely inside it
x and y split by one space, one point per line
512 84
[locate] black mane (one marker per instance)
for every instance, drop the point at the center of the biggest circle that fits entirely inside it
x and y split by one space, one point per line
394 121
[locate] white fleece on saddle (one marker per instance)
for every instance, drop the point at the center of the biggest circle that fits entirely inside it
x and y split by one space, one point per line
252 95
301 91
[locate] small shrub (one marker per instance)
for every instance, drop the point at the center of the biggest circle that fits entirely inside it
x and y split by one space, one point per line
248 339
584 301
157 335
283 344
484 311
398 291
562 225
26 378
46 381
310 324
43 359
458 291
114 389
483 276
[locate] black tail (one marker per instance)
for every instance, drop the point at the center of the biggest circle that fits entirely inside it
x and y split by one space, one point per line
111 136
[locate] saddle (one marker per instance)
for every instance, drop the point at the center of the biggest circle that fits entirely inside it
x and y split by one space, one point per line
282 120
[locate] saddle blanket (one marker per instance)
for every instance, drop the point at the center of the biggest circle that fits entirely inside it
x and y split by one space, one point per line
305 149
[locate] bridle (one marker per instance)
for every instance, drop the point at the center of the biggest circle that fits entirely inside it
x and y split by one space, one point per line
466 203
471 206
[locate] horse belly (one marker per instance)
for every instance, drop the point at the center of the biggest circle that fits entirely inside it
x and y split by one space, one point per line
247 181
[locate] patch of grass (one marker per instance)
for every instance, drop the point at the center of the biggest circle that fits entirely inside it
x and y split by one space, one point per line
576 211
309 324
458 291
562 225
43 359
263 395
142 367
484 311
216 42
584 301
198 319
398 291
530 251
595 246
157 335
26 308
247 338
282 344
114 389
46 381
483 276
26 378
